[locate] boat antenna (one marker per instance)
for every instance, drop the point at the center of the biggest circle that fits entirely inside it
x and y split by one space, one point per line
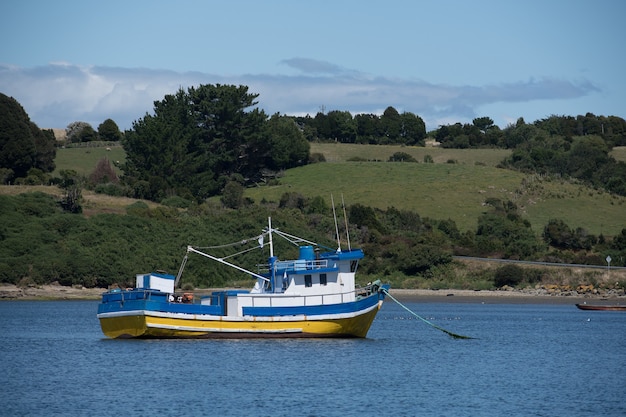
332 201
269 230
345 218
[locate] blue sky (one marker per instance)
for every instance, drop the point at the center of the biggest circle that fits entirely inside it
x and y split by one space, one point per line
447 61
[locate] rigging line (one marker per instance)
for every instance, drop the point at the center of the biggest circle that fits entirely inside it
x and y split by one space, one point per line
241 242
454 335
243 251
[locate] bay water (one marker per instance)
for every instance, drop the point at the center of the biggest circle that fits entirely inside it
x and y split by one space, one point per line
525 360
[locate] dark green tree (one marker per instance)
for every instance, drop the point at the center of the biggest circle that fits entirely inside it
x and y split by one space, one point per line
87 134
74 132
391 123
288 147
22 144
483 123
369 128
109 131
503 232
342 126
413 129
195 141
586 157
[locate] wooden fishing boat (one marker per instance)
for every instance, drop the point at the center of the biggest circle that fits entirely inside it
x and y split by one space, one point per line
312 296
601 307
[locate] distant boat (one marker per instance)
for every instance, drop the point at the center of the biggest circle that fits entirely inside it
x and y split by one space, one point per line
600 307
312 296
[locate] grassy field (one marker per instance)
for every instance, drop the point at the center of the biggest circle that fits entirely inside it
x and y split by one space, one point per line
619 153
341 152
454 191
84 160
441 190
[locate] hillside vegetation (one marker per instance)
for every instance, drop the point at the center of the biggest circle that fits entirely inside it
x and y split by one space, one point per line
454 191
214 168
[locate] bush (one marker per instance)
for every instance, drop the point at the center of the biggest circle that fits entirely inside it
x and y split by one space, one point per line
509 274
401 157
110 188
176 201
316 157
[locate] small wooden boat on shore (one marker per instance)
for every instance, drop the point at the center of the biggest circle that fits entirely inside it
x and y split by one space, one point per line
601 307
314 295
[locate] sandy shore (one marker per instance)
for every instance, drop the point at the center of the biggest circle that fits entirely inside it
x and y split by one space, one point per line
59 292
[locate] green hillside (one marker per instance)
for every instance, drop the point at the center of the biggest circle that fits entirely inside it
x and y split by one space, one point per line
84 159
441 190
342 152
454 191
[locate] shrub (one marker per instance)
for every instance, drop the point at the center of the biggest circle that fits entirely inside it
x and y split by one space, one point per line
401 157
110 188
316 157
509 274
176 201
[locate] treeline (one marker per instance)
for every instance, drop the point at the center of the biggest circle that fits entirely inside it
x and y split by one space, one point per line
394 128
40 243
212 140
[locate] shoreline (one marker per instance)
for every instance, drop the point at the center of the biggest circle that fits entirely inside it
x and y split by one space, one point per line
9 292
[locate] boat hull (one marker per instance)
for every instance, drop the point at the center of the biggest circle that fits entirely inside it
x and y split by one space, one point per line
601 307
155 324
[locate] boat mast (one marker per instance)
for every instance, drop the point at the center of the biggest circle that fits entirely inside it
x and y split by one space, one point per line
269 221
345 218
332 201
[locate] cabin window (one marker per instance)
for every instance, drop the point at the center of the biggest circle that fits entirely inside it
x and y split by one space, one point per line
323 279
308 282
353 266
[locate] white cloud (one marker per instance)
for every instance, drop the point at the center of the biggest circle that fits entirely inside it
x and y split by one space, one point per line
58 94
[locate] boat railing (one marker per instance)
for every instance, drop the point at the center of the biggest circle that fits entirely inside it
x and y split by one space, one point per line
123 295
293 266
270 299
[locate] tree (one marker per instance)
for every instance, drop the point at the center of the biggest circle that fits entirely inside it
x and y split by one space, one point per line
103 173
391 123
196 140
483 123
109 131
73 131
368 128
342 126
87 134
287 146
503 231
413 128
22 144
233 195
586 157
71 184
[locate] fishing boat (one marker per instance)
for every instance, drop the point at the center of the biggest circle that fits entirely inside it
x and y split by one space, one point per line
601 307
314 295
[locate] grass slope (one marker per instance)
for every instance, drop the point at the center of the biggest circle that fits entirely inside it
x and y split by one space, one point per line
455 191
342 152
84 160
440 190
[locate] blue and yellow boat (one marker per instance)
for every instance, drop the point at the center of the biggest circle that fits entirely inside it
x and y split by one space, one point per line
313 296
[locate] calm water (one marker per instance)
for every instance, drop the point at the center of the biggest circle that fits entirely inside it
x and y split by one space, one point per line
528 360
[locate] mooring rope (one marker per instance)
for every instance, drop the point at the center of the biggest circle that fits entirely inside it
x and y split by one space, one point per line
456 336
